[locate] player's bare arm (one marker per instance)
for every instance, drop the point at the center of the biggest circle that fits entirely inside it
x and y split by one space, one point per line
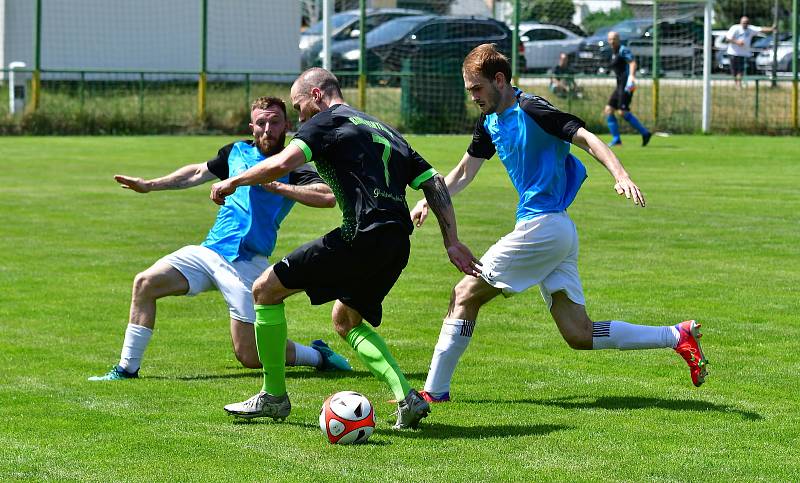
317 195
265 172
601 152
456 180
182 178
438 197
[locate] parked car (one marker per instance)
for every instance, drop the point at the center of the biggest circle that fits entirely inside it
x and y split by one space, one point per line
594 53
680 46
541 44
764 57
345 26
430 38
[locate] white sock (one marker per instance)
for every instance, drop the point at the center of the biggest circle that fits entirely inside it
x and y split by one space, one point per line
453 340
136 339
616 334
306 356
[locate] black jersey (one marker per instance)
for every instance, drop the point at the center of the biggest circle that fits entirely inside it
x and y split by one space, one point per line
619 64
367 164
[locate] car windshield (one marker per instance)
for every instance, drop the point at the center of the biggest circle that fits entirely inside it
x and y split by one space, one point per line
336 21
603 31
392 30
629 28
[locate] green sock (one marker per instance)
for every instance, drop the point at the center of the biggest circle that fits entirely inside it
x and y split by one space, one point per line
372 351
271 345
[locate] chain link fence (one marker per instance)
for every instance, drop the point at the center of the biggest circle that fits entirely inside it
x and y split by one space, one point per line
108 66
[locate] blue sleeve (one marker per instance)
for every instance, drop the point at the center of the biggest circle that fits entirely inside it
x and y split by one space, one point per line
626 54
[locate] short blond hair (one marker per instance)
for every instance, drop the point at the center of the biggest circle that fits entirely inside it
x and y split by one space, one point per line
266 102
487 61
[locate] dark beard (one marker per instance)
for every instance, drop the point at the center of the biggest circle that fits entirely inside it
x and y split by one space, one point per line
278 147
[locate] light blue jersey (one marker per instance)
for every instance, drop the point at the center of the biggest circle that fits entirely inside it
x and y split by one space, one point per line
531 138
247 225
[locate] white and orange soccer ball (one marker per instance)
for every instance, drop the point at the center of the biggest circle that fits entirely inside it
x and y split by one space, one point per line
347 417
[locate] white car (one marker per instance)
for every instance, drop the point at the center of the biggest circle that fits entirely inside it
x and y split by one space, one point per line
764 58
541 44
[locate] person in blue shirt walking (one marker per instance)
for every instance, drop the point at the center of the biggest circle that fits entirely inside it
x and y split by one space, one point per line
532 139
234 254
624 67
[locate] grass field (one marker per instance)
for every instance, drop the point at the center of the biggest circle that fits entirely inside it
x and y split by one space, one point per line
717 242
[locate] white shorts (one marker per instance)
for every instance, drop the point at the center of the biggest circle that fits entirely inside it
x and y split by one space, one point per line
206 270
541 251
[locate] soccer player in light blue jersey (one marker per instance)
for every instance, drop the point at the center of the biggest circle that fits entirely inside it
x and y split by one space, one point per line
234 254
532 139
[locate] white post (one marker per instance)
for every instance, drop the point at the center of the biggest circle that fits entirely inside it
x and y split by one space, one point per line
707 51
12 105
327 13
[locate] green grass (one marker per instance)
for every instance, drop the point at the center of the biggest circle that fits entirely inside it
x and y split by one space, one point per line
717 242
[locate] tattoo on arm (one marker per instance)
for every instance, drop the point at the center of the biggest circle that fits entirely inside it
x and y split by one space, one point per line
439 201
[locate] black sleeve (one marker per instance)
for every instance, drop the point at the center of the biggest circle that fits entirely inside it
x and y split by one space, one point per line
562 125
418 169
305 175
219 165
481 145
317 134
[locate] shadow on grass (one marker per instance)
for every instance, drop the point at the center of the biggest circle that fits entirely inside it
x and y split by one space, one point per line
290 374
631 402
449 431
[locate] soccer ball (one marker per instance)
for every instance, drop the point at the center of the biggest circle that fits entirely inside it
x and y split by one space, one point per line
347 417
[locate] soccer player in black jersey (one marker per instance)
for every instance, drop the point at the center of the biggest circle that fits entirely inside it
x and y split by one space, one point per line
624 67
368 165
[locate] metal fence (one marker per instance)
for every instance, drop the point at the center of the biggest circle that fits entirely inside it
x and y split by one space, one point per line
677 78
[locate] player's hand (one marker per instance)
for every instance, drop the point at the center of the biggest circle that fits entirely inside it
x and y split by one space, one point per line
624 186
220 190
630 86
419 213
463 259
136 184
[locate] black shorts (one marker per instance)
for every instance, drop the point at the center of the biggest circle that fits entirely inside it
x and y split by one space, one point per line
359 273
738 64
621 99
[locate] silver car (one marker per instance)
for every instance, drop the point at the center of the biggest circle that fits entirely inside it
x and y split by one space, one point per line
764 58
541 44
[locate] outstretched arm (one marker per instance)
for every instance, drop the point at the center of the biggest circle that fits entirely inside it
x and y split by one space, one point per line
436 193
316 195
456 180
598 149
185 177
264 172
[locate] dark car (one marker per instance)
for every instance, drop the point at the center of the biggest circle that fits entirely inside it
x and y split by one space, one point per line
680 46
424 41
594 53
345 26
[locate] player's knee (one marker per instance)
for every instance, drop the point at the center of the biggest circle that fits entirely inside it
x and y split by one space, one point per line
607 110
263 293
143 285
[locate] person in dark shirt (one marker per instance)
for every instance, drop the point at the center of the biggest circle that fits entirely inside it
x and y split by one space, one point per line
562 82
368 165
237 247
532 140
624 67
